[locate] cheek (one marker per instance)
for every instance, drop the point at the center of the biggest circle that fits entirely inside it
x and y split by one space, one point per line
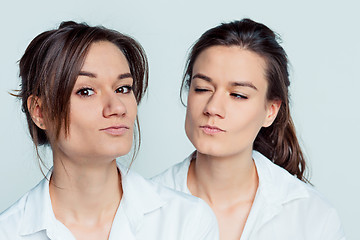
191 115
193 111
84 115
83 125
195 104
250 119
188 123
131 107
84 119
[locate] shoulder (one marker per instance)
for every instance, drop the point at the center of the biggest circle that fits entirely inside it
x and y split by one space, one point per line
22 217
175 177
314 212
10 219
297 200
287 187
15 208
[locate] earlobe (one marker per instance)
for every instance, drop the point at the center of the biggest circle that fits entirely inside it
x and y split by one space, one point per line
34 105
272 111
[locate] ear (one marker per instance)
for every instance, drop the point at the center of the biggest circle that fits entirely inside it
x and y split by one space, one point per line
272 109
35 110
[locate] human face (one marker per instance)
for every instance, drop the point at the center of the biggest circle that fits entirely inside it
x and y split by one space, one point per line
227 103
102 108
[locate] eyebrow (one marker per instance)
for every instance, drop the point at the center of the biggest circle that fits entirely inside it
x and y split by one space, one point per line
93 75
235 84
202 76
244 84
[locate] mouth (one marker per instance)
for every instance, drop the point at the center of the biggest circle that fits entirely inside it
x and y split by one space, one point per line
116 130
211 130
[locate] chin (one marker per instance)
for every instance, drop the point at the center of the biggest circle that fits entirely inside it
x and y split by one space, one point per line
115 151
209 149
120 153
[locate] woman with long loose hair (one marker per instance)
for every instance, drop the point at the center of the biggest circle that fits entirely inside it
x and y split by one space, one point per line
80 89
248 165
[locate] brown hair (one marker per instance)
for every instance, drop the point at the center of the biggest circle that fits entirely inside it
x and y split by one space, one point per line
277 142
51 65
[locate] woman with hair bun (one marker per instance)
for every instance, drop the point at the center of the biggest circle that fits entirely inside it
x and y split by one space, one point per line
80 89
248 165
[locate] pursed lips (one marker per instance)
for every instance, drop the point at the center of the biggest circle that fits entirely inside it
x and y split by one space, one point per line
116 130
211 129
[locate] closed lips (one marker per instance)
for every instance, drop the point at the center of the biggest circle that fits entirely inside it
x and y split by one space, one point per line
115 130
211 129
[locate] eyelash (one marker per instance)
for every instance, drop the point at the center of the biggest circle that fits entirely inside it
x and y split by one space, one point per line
127 87
81 92
84 92
238 96
199 90
234 95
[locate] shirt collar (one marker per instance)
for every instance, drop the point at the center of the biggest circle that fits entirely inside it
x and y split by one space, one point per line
275 183
139 198
38 213
181 174
276 188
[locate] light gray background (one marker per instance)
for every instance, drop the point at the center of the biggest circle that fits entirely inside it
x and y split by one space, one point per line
321 38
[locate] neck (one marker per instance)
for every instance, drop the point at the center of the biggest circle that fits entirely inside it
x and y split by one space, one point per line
223 180
84 192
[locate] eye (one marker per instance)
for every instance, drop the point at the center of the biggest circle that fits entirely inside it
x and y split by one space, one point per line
124 89
238 96
85 92
200 90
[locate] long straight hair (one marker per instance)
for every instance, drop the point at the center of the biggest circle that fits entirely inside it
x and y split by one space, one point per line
277 142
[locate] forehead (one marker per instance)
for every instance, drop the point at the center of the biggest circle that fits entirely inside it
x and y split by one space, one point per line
105 56
231 64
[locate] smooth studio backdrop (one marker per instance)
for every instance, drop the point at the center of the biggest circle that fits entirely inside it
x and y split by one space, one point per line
322 39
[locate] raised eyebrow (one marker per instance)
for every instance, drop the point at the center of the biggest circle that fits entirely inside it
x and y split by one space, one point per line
202 76
243 84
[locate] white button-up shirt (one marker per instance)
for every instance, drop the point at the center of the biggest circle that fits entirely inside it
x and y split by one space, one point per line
146 211
284 207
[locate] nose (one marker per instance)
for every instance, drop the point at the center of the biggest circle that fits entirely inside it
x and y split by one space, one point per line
215 106
114 106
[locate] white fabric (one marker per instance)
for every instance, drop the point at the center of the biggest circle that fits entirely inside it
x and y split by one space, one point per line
146 211
284 207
